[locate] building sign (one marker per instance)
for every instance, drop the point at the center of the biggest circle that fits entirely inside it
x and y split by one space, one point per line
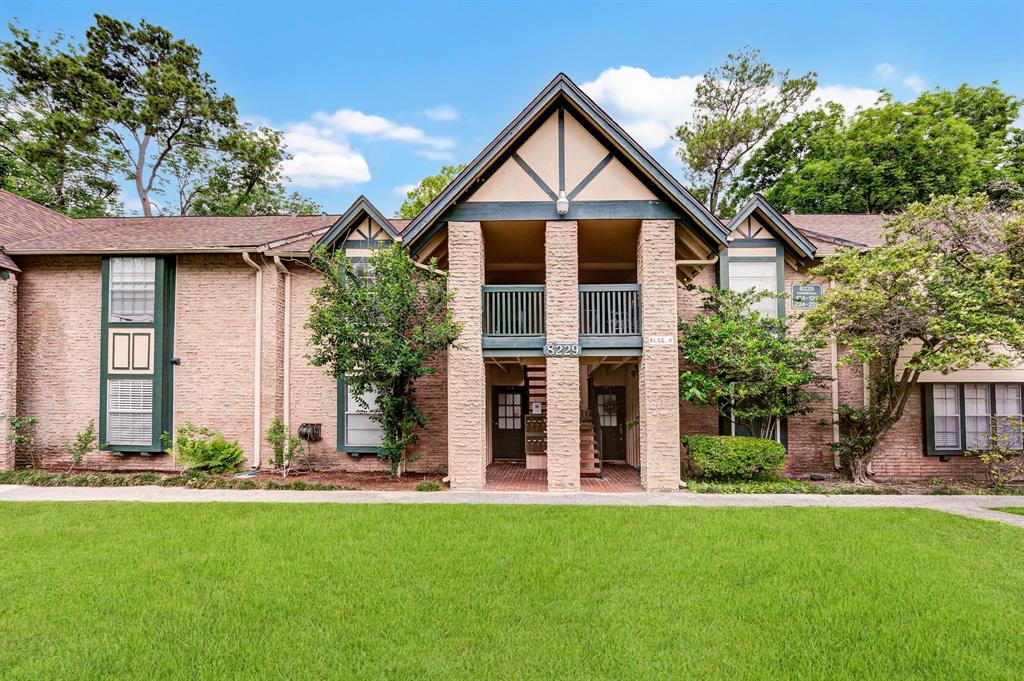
562 350
805 296
659 340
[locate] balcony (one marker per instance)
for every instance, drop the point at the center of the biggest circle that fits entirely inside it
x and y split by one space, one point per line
609 319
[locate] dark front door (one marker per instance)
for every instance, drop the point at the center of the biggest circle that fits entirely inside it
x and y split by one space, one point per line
508 411
611 417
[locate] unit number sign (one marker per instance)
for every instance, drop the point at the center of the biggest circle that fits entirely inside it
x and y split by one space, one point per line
562 350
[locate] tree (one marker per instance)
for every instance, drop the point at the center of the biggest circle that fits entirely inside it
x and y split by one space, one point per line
48 152
737 106
883 158
749 367
945 290
379 329
429 187
242 176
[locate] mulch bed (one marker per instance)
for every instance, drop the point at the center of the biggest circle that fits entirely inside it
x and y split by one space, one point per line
364 480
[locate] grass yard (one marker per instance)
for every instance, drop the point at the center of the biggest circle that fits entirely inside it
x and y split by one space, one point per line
1018 510
290 591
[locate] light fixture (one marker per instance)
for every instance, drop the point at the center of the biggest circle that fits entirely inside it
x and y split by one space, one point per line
562 204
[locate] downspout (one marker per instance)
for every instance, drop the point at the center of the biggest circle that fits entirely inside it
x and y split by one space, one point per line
257 361
712 261
287 340
835 401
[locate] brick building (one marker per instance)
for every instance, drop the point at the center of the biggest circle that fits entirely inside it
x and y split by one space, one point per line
568 248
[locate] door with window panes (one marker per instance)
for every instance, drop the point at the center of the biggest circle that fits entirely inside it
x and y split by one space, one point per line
137 326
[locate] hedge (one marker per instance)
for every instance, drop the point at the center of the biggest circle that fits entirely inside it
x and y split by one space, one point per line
717 457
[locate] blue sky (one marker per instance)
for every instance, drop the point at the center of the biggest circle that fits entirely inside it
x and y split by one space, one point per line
372 97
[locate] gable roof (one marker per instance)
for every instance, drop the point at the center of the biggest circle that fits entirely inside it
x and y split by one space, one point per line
361 208
563 88
790 234
172 234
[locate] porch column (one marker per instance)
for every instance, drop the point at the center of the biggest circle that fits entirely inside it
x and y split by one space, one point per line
8 363
561 264
467 394
659 365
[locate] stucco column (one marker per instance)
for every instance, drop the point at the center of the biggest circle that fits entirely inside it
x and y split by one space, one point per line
659 366
467 392
8 365
563 373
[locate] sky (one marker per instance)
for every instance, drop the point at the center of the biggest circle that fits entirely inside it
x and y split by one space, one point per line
374 96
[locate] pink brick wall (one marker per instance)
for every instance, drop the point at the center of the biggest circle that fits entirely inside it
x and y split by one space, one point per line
695 420
8 366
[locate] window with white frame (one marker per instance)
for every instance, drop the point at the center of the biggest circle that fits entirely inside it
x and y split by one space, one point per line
974 416
946 407
132 288
129 411
360 429
760 275
977 415
1009 415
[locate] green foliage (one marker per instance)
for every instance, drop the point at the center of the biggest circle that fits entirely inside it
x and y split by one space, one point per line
429 187
1002 454
736 107
882 159
778 485
285 448
749 367
84 443
23 434
192 481
947 284
197 448
428 486
733 457
380 334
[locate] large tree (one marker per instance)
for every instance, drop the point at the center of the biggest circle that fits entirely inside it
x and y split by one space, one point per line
417 198
737 106
944 292
379 328
881 159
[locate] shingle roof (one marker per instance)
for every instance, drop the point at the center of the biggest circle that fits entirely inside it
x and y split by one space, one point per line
174 233
21 219
831 231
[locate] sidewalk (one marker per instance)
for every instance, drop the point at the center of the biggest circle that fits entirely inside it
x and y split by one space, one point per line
966 505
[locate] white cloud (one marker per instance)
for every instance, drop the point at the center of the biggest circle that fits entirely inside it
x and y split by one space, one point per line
130 202
324 155
403 189
651 107
442 113
886 71
915 83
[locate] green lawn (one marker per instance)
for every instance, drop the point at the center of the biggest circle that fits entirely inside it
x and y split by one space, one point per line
1018 510
155 591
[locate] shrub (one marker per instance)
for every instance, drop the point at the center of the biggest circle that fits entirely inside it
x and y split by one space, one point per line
23 435
736 457
1003 458
428 486
284 447
201 449
83 444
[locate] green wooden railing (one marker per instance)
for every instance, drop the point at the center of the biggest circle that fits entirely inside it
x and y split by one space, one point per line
513 311
610 310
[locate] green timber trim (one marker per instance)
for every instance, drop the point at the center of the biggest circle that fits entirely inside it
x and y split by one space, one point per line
928 413
355 451
777 223
780 266
477 211
163 338
537 180
360 208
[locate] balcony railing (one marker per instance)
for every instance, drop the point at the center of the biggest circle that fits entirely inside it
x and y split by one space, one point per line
513 311
610 310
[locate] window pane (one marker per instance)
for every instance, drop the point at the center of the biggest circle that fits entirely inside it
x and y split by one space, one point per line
360 429
977 408
1009 421
132 289
757 275
946 404
129 412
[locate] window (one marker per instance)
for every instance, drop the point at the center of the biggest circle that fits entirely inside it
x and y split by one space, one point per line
760 275
973 416
360 429
1008 415
132 289
946 401
129 411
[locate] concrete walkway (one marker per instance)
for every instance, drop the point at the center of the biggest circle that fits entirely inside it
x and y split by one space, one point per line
966 505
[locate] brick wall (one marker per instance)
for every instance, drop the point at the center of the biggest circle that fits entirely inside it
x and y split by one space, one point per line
561 279
8 366
467 393
695 420
659 365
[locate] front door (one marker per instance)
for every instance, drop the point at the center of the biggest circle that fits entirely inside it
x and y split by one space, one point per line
611 416
508 436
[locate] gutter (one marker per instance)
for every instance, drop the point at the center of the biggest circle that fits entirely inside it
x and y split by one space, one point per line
287 340
682 263
257 357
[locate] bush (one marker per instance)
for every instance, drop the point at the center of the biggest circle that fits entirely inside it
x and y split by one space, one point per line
717 457
777 485
201 449
428 486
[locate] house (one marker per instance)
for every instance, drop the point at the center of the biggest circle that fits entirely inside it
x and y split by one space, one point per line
568 248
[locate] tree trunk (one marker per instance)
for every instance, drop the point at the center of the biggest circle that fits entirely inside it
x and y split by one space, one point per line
859 471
